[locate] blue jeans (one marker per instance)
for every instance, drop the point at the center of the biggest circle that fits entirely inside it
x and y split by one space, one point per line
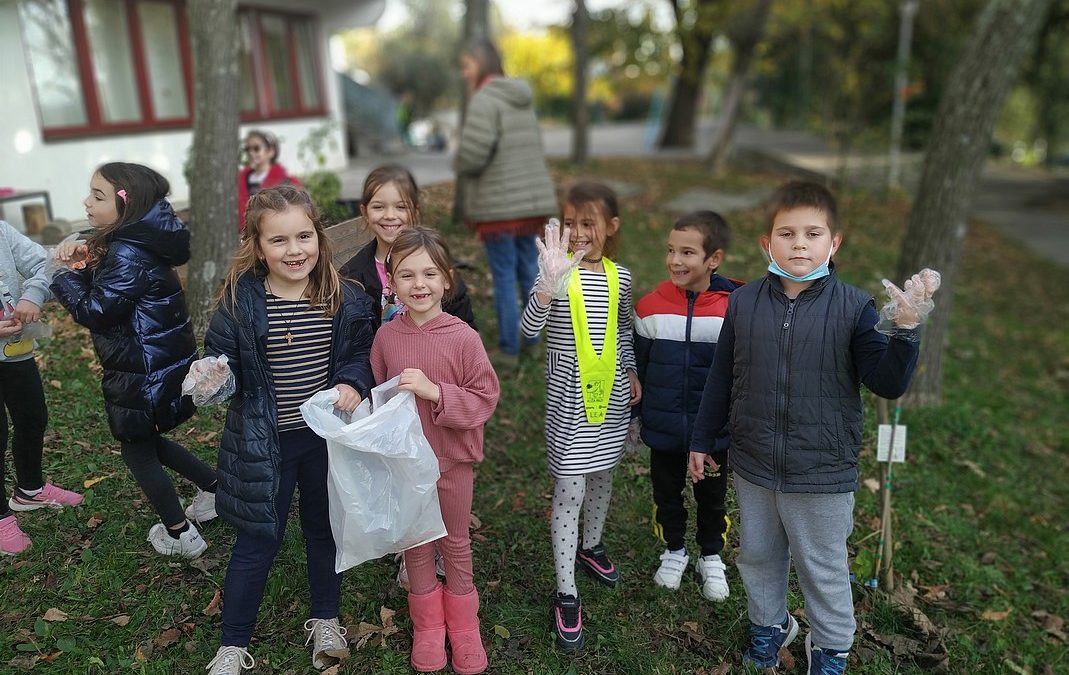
303 464
512 259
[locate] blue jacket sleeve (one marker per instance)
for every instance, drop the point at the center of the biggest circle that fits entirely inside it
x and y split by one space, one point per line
885 364
104 299
716 397
355 371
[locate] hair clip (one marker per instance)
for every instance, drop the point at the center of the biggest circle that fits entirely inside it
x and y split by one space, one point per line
122 196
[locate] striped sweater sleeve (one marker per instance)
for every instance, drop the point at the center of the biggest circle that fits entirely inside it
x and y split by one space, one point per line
534 315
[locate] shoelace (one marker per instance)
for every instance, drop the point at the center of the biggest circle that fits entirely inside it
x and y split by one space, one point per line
226 657
328 630
570 614
828 662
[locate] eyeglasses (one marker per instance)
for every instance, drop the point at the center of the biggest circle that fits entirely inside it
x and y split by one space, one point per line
253 148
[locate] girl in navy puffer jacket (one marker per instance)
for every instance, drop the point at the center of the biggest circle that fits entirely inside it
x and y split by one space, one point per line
121 284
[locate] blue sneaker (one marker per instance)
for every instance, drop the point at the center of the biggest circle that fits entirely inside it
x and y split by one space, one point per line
824 661
766 641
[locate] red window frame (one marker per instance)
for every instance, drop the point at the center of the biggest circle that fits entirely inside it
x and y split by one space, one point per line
262 82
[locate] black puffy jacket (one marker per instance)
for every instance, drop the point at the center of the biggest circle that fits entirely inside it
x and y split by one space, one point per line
248 450
134 306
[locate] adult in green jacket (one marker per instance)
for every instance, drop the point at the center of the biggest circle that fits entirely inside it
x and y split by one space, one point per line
508 191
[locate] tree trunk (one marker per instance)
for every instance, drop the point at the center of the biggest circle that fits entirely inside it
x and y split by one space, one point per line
476 24
213 195
744 33
695 41
908 11
935 237
580 112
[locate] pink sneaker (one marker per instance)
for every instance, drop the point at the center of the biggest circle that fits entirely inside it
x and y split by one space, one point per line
12 539
51 496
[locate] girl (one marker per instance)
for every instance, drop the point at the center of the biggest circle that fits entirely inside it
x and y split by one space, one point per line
389 204
129 297
592 383
442 361
289 327
21 391
262 170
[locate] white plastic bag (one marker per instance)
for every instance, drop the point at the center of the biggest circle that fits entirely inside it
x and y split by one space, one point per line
383 475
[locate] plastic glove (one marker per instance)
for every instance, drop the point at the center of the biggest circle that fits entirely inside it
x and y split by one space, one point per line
910 305
70 254
555 267
209 381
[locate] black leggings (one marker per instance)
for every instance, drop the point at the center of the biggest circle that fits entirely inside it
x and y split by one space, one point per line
146 460
22 394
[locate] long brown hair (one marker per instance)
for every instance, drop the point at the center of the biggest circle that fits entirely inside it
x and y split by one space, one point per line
402 180
324 284
141 188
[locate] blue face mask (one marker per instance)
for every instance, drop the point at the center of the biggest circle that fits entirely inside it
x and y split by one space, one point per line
817 273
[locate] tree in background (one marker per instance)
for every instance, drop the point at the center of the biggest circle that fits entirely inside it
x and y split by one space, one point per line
1004 35
213 195
1046 86
697 22
581 55
630 59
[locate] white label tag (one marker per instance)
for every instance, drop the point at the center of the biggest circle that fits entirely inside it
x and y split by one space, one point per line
883 442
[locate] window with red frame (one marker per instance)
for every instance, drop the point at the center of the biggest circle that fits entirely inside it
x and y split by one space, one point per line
108 66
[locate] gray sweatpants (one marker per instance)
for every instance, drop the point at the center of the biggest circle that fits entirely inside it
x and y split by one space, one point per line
813 529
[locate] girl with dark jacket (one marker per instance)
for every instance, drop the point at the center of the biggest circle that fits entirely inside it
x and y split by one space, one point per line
289 326
121 284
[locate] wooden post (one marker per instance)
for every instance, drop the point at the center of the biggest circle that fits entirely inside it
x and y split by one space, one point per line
34 217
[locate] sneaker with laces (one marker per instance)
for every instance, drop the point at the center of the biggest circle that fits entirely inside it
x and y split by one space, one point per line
230 660
189 544
568 622
329 645
824 661
12 539
202 508
50 496
597 564
766 641
711 569
670 573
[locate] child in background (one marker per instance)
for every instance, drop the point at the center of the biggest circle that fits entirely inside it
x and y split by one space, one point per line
585 299
442 361
794 349
129 297
262 170
21 391
676 329
289 327
390 204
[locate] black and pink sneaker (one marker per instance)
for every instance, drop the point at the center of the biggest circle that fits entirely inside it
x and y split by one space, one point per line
50 496
598 565
568 622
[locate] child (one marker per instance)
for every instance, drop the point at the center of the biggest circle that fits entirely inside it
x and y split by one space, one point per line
389 204
591 381
676 329
129 297
262 170
289 327
21 391
794 348
442 361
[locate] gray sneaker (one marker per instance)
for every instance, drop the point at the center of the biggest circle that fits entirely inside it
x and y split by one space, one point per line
189 544
202 508
329 644
230 660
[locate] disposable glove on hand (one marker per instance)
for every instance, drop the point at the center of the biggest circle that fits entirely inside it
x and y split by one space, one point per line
209 381
555 267
910 305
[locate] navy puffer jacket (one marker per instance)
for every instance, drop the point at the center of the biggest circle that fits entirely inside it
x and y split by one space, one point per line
249 450
135 308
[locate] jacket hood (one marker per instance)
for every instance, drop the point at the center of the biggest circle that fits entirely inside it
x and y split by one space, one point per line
442 324
160 232
514 92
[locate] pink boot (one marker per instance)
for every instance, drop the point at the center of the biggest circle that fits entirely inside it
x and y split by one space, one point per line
428 630
12 539
462 621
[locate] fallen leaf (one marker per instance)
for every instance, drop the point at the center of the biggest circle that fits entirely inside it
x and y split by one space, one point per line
206 437
386 616
24 661
143 651
1052 624
54 614
502 632
992 615
120 620
972 466
90 482
872 484
94 521
476 523
204 563
1020 670
333 670
168 637
213 607
56 384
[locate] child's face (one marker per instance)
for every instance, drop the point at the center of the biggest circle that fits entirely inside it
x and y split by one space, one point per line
259 153
590 228
419 285
689 267
800 240
100 208
289 247
387 213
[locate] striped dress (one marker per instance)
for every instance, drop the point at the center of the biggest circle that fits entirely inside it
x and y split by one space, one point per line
574 446
300 363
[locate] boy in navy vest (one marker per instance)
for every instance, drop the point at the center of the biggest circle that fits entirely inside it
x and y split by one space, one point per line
676 329
795 347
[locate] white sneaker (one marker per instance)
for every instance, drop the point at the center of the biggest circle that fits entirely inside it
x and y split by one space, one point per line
714 580
230 661
202 508
330 645
188 545
670 573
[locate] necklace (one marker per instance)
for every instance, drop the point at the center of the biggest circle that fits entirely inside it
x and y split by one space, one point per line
287 319
593 261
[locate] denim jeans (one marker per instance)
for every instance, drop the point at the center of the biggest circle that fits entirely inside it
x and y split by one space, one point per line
513 266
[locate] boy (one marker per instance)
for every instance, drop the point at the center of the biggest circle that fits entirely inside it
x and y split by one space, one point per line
676 329
794 349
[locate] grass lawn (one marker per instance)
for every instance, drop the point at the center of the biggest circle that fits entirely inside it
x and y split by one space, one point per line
979 524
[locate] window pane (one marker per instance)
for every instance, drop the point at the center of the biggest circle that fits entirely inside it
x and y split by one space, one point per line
46 31
113 64
276 47
159 28
306 64
248 65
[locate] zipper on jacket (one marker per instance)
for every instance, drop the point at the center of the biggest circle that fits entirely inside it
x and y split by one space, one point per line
780 450
691 299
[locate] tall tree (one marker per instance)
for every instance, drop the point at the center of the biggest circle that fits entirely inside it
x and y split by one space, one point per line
580 111
697 22
476 24
744 31
213 199
1004 34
